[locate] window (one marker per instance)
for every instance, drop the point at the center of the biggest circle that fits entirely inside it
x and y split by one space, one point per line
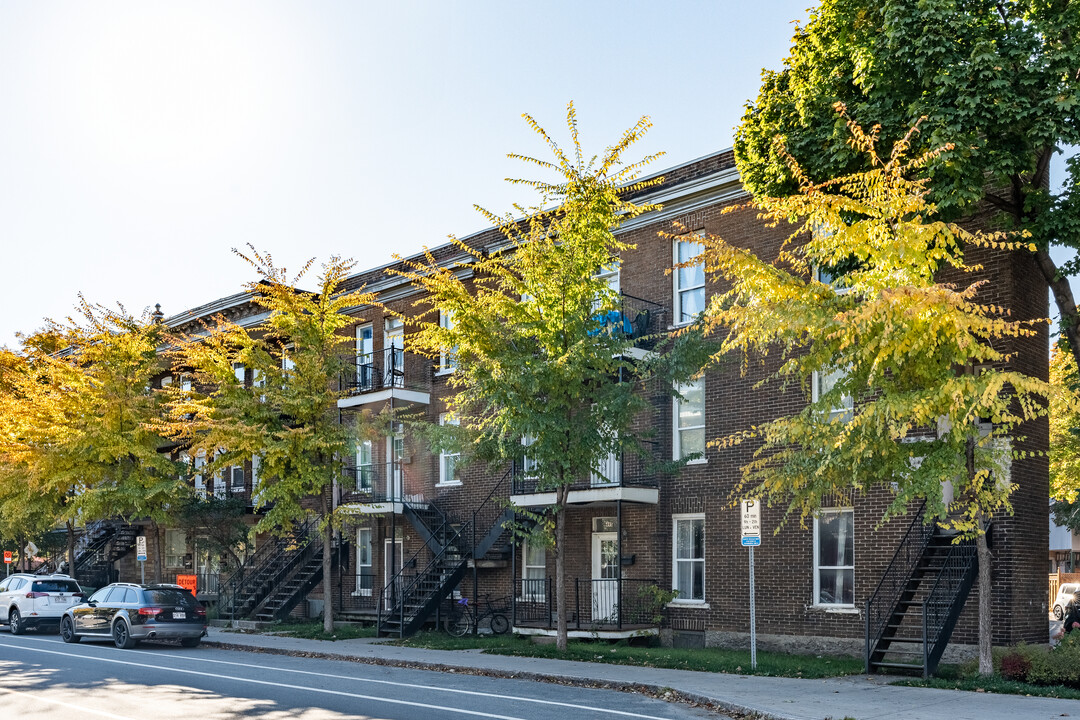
287 363
365 466
834 557
688 558
393 347
365 357
689 281
365 578
185 382
689 414
175 548
823 383
238 372
610 275
448 459
221 477
236 478
447 360
166 382
529 463
256 461
199 478
533 571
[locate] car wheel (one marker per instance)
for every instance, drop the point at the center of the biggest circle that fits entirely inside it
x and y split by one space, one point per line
190 642
121 635
67 631
1058 614
15 622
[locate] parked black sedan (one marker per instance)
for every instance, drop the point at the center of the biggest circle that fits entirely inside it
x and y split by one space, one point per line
127 613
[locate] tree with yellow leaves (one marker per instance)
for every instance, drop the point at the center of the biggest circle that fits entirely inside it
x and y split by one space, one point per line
288 415
912 389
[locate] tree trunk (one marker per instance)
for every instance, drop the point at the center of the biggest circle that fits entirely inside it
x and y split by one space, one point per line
71 548
986 625
327 578
159 555
986 658
1063 297
561 631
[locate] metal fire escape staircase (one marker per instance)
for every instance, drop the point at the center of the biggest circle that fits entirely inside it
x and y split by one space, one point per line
276 578
413 595
102 544
912 613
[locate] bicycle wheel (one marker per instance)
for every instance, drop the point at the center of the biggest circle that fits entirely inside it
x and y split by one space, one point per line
458 625
499 624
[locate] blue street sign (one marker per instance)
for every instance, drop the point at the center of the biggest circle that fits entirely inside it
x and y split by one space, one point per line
751 541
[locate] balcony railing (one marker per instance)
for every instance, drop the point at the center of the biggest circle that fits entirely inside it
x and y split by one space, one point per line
592 604
625 470
378 484
638 319
390 369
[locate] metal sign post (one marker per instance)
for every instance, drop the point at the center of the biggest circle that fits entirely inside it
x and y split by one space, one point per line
7 561
751 537
140 550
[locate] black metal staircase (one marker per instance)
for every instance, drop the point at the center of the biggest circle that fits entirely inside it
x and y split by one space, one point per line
101 545
275 578
912 613
412 595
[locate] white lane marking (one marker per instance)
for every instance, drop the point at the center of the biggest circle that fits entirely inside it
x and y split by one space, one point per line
417 686
250 681
80 708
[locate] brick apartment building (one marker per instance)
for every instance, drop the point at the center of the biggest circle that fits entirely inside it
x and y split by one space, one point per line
427 526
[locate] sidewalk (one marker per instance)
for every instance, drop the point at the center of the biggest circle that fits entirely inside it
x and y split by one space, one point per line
859 697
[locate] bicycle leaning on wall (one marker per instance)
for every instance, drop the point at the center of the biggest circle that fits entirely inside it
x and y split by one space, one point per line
462 618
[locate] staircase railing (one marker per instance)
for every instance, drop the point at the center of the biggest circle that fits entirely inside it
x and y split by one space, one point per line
490 514
942 605
405 589
263 562
882 602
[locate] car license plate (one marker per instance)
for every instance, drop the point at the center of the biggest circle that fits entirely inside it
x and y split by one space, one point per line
179 616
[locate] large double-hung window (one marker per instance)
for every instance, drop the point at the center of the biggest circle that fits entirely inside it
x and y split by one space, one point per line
690 280
834 557
688 558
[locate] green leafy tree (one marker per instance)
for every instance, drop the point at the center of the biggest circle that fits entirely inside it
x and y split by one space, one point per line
914 363
533 360
78 419
998 79
1065 440
287 417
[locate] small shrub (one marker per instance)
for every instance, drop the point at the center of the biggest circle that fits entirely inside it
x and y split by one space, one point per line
1015 666
1060 666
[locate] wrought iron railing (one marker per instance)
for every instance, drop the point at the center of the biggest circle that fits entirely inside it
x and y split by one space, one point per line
389 369
593 604
250 582
883 601
624 470
940 608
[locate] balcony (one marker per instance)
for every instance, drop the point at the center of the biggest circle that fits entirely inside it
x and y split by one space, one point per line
628 478
639 320
377 489
606 608
392 373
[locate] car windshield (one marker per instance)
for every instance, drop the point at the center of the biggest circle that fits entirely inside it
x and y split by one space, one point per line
169 597
57 586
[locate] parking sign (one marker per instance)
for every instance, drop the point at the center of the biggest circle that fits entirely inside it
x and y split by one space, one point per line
140 547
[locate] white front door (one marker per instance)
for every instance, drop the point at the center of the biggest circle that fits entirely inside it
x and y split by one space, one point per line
390 569
605 573
394 354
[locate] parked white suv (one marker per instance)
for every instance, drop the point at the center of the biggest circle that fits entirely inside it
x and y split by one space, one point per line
31 601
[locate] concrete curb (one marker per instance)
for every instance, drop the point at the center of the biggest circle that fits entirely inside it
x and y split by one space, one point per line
740 712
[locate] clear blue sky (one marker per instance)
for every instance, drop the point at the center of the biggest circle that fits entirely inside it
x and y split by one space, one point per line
140 141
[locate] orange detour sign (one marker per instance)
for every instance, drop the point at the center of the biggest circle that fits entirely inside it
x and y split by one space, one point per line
7 557
187 581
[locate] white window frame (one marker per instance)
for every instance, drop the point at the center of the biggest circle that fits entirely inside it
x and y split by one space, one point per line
693 237
528 464
675 559
677 431
447 479
239 372
185 382
171 535
256 480
365 450
199 478
447 360
817 554
525 568
369 566
845 409
236 472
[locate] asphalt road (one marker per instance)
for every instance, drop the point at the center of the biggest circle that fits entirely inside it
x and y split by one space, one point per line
42 678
